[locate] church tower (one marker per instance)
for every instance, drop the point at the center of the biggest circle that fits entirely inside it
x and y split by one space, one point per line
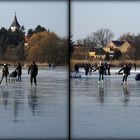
15 26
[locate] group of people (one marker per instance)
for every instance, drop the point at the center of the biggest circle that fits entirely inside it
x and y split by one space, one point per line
104 69
32 70
89 69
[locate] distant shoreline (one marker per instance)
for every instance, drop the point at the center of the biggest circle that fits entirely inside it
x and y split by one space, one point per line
114 63
22 63
26 64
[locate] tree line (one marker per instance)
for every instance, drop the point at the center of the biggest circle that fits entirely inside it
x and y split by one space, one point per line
42 46
102 37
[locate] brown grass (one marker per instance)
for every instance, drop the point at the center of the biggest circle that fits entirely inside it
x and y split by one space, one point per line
114 63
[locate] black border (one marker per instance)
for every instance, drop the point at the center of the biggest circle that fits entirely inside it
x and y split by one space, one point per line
69 85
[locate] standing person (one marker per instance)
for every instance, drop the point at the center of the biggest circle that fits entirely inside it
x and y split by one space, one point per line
19 71
126 71
101 70
33 70
95 65
108 68
129 68
90 69
105 66
5 72
76 68
135 66
86 67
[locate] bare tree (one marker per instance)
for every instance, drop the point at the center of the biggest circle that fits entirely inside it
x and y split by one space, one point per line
127 37
90 42
136 47
98 39
102 37
134 50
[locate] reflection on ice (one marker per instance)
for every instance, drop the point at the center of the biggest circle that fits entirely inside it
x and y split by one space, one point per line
101 94
5 95
33 99
106 110
126 95
35 111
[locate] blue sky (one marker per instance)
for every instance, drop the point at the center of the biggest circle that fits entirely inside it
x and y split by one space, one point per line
119 17
52 15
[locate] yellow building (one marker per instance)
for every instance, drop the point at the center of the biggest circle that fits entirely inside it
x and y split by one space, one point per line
123 46
98 53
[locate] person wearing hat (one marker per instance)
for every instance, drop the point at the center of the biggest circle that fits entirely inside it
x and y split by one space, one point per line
5 72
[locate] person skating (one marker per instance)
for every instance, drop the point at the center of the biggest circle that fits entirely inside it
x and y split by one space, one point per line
5 72
19 71
101 70
105 66
76 69
108 68
135 66
88 68
126 71
33 70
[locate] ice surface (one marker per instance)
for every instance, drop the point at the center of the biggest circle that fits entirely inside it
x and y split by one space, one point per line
35 111
106 110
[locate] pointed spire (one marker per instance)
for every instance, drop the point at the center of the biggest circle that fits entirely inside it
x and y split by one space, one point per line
15 24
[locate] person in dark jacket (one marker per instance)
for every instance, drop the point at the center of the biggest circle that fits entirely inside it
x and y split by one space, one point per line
135 66
126 71
19 71
33 70
105 66
88 68
76 68
101 69
108 68
5 73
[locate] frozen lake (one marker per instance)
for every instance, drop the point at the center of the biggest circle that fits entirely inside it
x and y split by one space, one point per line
35 112
106 110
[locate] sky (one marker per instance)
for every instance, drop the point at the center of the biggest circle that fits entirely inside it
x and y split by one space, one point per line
119 17
51 15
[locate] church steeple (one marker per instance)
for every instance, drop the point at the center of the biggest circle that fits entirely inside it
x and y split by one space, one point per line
15 25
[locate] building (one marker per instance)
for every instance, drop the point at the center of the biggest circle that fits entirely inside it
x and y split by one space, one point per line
83 52
121 46
111 46
125 46
16 38
98 53
15 26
